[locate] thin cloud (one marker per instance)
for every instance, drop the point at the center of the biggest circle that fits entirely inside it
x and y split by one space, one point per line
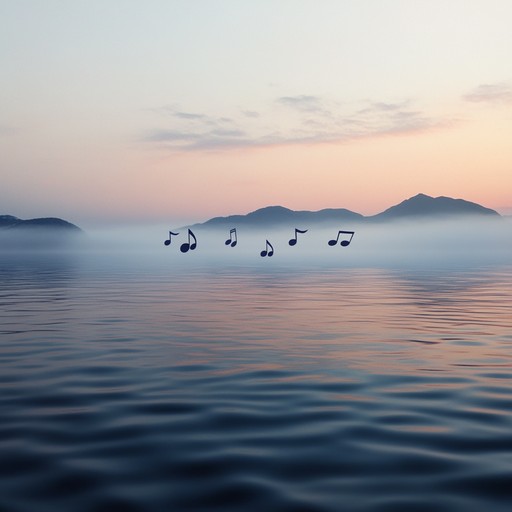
251 113
194 118
379 106
313 120
380 118
209 139
389 106
302 103
491 93
188 115
172 136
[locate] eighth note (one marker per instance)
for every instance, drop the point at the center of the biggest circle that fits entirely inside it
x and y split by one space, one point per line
188 246
168 242
266 252
293 241
343 243
232 235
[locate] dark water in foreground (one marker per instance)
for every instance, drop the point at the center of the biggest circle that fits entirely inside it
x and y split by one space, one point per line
159 387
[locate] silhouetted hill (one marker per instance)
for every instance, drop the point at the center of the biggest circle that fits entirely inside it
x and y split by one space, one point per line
44 233
8 221
278 215
13 223
420 206
425 206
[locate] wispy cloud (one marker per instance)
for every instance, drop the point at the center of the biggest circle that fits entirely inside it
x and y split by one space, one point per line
302 103
380 106
491 93
172 136
379 118
187 115
197 131
305 120
250 113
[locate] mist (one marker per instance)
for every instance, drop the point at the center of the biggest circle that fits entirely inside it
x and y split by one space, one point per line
454 242
468 241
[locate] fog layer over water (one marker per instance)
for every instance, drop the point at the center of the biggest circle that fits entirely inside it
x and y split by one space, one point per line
465 241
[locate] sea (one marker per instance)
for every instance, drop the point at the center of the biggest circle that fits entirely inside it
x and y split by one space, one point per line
157 382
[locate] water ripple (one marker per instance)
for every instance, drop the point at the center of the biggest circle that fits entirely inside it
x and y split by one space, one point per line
338 389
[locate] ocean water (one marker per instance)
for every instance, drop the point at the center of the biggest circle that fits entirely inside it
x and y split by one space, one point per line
154 384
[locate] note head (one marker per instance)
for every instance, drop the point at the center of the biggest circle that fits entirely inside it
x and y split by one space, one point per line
344 243
263 254
233 244
228 241
292 242
184 247
167 242
332 242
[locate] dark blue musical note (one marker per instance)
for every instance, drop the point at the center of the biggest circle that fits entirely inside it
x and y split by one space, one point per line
343 243
293 241
232 240
188 246
266 252
168 242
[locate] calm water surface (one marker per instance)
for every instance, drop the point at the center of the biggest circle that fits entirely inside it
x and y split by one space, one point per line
154 386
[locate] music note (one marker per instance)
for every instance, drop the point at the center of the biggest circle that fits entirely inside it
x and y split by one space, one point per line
293 241
232 240
343 243
168 242
266 252
188 246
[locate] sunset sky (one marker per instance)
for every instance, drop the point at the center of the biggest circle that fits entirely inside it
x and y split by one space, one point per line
177 111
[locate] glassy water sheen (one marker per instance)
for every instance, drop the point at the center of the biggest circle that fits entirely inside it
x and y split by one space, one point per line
152 386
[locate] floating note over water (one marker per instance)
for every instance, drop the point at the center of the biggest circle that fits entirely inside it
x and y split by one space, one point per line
188 246
343 243
267 252
232 240
293 241
168 242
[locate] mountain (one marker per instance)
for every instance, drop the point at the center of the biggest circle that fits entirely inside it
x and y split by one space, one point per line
45 233
423 206
9 222
420 206
278 215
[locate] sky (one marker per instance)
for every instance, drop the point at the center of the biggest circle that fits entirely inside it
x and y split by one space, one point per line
177 111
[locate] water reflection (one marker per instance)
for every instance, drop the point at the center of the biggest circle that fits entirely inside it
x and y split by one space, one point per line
41 268
147 385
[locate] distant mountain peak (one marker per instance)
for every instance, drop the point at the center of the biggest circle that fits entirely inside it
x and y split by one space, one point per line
280 216
418 206
270 210
10 222
422 205
275 208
